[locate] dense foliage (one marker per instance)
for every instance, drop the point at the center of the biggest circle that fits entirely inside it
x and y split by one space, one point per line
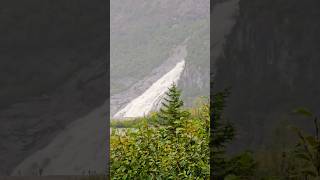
175 144
301 161
225 166
305 156
176 148
171 108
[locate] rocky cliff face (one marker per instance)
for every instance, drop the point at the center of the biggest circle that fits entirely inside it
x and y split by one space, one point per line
271 61
52 71
144 36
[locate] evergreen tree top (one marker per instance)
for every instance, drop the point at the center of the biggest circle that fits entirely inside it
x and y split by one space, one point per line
171 106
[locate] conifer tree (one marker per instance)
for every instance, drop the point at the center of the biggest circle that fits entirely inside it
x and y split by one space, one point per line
171 106
222 133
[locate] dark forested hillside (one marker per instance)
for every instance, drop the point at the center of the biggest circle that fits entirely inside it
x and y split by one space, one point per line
271 60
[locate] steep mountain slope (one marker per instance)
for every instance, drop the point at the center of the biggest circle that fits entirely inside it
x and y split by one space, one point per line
45 43
79 149
144 34
52 71
120 100
270 60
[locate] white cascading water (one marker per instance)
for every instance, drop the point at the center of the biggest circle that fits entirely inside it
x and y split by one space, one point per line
143 104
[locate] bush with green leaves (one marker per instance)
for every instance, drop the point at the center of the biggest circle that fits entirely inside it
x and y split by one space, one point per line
175 148
305 156
300 160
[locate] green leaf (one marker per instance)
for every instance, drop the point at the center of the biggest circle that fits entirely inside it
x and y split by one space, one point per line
302 156
312 141
232 177
303 111
310 172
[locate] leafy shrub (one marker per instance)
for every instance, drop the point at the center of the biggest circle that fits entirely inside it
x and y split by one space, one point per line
307 151
178 149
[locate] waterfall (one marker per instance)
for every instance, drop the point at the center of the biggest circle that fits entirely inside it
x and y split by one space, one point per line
148 100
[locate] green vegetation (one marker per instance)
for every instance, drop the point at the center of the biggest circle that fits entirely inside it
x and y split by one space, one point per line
174 143
306 154
152 119
176 147
171 111
224 166
297 160
134 123
300 160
